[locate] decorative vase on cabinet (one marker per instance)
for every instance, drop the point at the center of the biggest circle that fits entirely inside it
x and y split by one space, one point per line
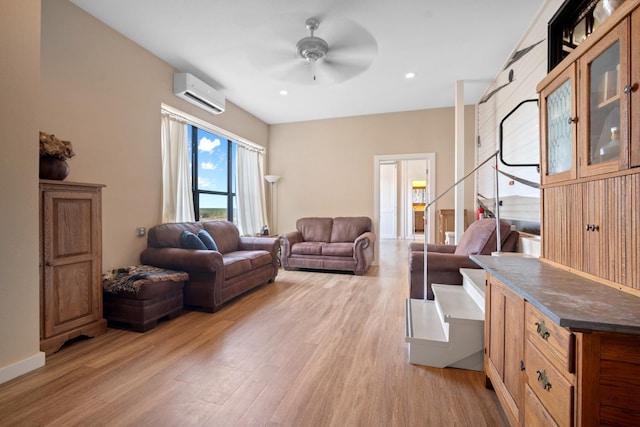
53 168
70 263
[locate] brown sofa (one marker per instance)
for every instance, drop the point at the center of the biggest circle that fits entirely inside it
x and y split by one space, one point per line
341 243
445 261
239 265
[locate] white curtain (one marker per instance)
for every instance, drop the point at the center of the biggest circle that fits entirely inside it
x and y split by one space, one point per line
252 212
177 196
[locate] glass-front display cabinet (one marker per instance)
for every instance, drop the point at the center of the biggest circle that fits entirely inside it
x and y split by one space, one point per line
604 71
558 116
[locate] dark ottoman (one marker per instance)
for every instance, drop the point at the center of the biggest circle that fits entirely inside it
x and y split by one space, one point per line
140 295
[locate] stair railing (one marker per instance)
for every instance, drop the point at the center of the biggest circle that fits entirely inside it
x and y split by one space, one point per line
454 185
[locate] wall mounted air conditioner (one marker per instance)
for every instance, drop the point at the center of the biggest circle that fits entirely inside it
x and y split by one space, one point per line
197 92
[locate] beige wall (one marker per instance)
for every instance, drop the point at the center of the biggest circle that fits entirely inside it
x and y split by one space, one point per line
70 75
327 165
103 92
19 71
73 76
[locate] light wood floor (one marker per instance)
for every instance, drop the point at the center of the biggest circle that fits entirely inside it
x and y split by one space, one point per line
311 349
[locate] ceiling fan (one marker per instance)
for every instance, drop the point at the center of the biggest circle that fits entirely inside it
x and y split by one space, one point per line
345 50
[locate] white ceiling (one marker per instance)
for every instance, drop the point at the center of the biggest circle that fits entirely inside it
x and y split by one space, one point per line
237 47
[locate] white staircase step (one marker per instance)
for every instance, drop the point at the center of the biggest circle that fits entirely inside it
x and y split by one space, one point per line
456 305
449 331
475 280
423 322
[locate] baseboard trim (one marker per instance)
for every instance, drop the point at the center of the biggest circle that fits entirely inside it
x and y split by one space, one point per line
10 372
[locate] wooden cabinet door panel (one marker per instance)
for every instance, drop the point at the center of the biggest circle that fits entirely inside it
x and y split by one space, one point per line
514 346
563 225
496 331
71 253
505 347
604 72
70 297
558 136
595 255
634 137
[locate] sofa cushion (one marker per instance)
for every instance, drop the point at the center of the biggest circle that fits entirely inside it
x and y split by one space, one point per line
168 235
480 237
207 240
225 234
338 249
315 229
307 248
348 229
256 257
188 240
235 264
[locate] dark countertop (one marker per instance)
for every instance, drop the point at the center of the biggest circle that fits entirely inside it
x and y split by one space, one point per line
570 300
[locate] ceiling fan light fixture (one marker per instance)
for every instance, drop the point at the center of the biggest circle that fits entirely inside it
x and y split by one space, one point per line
312 49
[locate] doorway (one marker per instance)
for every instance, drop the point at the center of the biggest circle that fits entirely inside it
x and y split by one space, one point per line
388 200
395 214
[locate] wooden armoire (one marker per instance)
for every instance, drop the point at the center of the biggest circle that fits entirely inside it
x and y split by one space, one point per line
562 334
70 262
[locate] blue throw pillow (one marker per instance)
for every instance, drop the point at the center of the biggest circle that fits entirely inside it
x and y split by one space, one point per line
207 240
191 241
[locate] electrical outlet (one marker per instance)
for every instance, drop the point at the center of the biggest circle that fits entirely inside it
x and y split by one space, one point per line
141 231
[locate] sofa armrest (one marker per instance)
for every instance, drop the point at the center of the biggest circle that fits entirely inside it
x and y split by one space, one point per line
367 238
431 247
183 259
269 244
286 241
291 237
448 262
363 251
443 249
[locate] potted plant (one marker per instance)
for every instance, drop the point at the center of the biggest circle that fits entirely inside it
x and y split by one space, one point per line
54 153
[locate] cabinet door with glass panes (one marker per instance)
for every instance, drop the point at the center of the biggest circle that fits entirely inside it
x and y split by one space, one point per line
604 130
558 117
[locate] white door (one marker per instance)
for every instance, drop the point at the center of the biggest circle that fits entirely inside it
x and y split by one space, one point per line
416 170
388 200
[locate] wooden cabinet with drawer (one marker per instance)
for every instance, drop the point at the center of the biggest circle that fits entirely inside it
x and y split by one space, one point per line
545 374
504 345
555 342
549 364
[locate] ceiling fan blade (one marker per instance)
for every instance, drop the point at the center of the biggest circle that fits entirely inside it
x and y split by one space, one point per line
299 72
346 37
271 58
337 72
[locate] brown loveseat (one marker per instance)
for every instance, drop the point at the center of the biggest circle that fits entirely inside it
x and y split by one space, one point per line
215 277
341 243
445 261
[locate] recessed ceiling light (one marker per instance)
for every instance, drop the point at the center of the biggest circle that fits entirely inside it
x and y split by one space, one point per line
283 92
409 75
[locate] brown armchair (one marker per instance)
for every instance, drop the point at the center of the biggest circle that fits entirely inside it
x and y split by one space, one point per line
445 261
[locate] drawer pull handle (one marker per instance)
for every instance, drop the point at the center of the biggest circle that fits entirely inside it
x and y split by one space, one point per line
542 330
522 367
542 379
572 120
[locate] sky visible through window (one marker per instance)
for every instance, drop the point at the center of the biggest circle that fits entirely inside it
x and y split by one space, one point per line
212 165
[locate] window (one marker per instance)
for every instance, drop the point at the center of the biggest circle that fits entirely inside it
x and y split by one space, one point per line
213 166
